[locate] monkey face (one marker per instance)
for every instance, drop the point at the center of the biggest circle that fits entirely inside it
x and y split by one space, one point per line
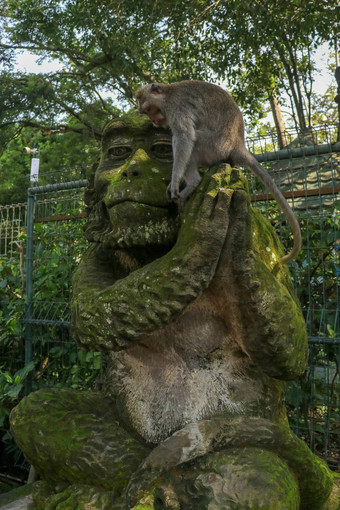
155 115
157 118
150 100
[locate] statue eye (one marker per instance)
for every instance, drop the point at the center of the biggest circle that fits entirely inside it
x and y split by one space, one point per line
119 153
162 150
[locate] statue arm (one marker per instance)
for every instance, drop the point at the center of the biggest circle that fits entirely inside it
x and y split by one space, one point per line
274 333
113 315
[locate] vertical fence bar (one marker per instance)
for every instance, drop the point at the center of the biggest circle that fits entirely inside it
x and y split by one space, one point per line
29 286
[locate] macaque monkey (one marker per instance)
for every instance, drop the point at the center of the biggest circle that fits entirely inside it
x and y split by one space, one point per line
207 129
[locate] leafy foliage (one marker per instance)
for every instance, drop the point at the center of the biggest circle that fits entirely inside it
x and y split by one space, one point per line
106 48
10 388
313 403
57 151
56 358
12 311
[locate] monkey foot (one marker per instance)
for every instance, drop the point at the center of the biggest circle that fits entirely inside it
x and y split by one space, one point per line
172 193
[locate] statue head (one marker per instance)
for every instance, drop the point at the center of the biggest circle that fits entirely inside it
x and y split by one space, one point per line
127 196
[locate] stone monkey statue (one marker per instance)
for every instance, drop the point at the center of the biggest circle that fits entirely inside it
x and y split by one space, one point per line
207 129
200 337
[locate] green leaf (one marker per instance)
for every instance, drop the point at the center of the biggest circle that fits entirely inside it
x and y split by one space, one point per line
21 374
7 376
14 391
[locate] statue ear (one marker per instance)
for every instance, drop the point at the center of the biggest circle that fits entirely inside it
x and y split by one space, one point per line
156 89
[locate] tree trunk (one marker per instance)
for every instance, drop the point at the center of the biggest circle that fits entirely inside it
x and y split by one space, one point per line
279 124
295 88
337 98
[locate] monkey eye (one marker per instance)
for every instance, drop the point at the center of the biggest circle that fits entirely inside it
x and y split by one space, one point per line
119 152
162 150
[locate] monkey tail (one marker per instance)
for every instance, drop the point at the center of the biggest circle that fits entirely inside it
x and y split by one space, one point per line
244 158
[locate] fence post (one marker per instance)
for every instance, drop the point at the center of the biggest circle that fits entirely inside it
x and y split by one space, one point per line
29 287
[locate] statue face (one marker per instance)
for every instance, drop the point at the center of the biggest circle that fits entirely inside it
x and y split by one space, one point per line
129 206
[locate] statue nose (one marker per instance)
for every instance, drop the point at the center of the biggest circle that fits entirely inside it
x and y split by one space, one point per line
134 167
131 172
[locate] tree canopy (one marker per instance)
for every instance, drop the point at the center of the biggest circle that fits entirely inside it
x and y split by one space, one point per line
262 50
59 152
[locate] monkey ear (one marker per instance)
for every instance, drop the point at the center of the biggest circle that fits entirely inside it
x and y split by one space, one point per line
155 88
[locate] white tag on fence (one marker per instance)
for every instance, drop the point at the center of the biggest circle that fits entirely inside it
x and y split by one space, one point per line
34 169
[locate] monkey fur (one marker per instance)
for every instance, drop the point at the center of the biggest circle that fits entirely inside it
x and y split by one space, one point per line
207 128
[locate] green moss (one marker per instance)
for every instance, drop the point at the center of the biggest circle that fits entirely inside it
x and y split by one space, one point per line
226 177
74 436
145 503
334 501
257 472
265 241
131 120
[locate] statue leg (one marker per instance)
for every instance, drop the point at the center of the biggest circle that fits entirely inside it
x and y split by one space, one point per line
75 439
241 479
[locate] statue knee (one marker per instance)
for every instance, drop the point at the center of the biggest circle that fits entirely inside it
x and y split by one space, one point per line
243 479
63 433
26 417
250 478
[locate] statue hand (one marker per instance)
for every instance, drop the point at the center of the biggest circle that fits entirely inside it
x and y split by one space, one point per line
116 316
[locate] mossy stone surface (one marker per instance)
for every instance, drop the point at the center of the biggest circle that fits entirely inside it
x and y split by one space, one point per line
79 439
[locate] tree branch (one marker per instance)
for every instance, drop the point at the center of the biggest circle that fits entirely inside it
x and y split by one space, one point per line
94 132
42 127
38 48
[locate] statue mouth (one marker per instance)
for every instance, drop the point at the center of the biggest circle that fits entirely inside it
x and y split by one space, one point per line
146 203
130 213
133 223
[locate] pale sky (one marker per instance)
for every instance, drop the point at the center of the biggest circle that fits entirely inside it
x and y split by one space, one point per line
28 63
324 78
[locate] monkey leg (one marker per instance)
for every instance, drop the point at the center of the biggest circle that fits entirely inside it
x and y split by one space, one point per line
192 180
74 438
184 160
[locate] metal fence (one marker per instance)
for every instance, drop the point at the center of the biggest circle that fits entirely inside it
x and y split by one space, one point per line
308 173
50 227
